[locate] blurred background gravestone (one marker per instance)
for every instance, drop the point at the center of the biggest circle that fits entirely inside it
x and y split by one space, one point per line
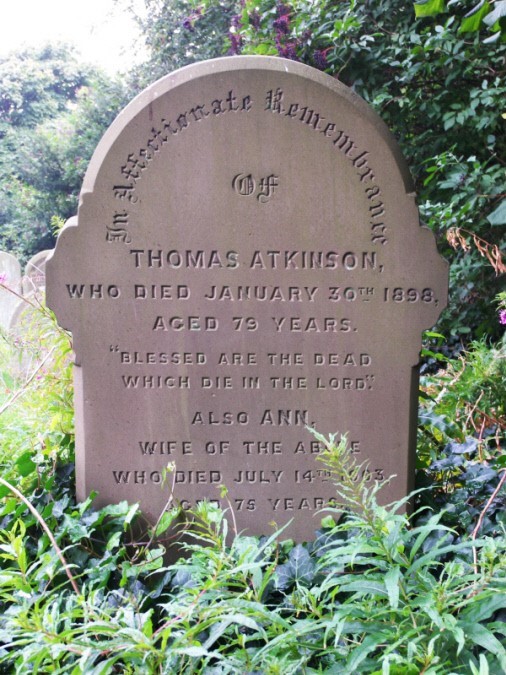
34 278
10 276
25 320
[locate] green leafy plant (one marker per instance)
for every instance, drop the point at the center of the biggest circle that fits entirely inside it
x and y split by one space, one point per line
374 593
36 402
462 437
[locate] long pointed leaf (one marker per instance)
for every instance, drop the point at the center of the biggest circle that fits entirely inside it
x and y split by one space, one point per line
392 579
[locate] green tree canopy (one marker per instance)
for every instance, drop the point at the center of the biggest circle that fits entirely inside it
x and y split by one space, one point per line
179 32
36 84
53 111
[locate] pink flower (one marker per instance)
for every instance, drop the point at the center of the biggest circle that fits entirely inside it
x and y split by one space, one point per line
502 317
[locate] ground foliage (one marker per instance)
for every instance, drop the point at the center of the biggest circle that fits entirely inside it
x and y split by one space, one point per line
85 590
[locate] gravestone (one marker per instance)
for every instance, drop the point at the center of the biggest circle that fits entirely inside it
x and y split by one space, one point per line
10 280
23 328
247 260
34 279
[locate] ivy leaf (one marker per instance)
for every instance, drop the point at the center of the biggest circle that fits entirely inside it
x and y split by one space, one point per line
500 461
25 464
300 568
302 564
472 20
470 446
166 521
498 215
114 541
183 579
499 12
429 8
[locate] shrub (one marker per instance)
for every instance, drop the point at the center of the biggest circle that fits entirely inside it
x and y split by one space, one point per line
372 593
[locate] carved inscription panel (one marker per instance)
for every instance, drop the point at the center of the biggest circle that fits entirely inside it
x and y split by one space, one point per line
247 262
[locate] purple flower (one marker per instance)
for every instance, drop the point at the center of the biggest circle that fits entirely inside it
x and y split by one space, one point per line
287 50
282 24
254 19
502 317
236 21
320 58
283 9
235 43
188 24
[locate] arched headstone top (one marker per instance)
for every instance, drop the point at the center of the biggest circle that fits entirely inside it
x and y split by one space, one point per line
35 272
252 66
247 260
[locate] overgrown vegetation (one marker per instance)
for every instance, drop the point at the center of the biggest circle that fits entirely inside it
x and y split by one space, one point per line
377 591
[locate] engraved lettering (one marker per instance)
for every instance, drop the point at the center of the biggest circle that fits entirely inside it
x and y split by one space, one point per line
155 382
288 382
282 418
311 118
225 419
274 100
329 129
260 477
199 113
125 192
296 324
262 447
186 323
187 259
217 448
231 100
93 291
198 477
243 184
237 359
165 447
216 382
344 143
268 186
161 292
217 106
310 260
262 293
163 358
